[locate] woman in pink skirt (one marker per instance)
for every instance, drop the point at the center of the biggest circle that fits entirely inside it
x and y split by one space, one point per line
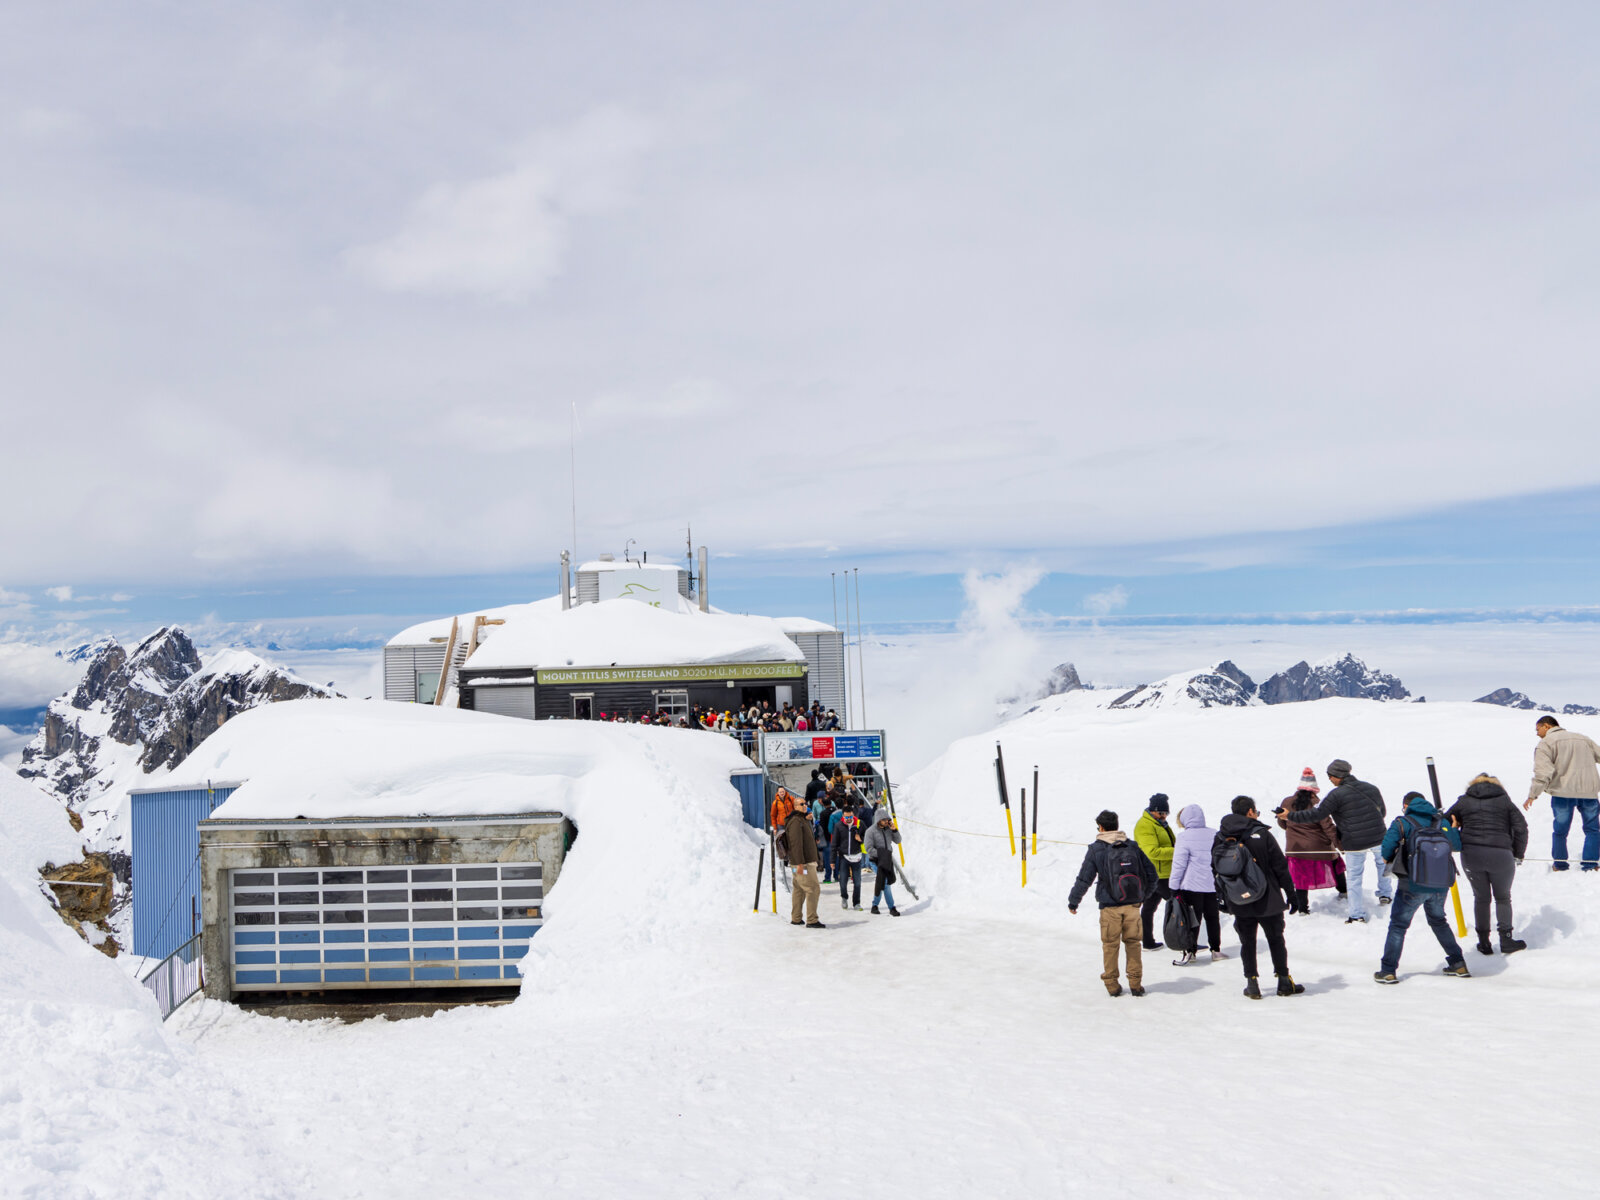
1312 850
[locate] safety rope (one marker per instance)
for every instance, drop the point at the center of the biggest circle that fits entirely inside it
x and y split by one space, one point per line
1064 842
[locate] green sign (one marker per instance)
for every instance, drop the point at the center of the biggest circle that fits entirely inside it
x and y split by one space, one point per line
694 674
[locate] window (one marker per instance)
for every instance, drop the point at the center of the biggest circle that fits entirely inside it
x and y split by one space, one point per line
676 703
427 686
583 707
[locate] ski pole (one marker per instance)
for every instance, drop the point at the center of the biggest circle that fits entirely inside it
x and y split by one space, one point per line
1005 799
761 869
1024 837
773 867
888 794
1036 810
1455 890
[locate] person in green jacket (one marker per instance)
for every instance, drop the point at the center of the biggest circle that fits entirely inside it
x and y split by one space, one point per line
1154 836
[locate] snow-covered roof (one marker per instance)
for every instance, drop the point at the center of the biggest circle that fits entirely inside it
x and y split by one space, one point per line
803 625
327 759
625 633
601 565
424 632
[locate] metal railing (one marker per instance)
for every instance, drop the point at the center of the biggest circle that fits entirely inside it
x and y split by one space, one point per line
176 977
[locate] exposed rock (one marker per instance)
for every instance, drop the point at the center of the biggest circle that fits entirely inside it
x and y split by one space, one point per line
1223 686
133 713
85 893
1506 698
1347 676
1579 710
1062 680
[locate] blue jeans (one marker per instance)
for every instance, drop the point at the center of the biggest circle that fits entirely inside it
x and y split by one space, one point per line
1400 914
850 873
1589 810
825 852
1355 865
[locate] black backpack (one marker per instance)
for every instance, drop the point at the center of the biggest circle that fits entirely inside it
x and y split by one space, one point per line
1124 881
1242 879
1427 855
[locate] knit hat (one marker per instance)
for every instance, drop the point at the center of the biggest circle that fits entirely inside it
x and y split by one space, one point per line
1308 781
1338 769
1158 803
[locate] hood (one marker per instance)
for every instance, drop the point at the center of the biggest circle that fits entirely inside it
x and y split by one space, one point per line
1420 806
1486 791
1233 825
1111 836
1192 816
881 814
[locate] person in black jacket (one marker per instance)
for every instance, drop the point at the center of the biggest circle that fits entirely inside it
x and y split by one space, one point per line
1244 826
1494 837
1122 877
1359 814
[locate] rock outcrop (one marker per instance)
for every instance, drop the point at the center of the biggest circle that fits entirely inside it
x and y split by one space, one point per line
1506 698
1347 676
135 712
1222 686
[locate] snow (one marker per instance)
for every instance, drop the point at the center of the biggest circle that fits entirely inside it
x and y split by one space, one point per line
668 1042
625 633
371 758
96 1098
425 632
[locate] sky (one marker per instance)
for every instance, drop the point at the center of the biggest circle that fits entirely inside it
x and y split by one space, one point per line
333 315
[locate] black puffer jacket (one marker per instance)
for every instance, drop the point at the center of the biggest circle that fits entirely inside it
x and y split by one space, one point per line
1263 847
1357 810
1489 817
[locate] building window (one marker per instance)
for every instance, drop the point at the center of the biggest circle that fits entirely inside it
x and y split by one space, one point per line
583 707
675 703
427 686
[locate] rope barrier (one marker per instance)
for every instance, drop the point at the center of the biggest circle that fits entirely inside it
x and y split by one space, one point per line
1064 842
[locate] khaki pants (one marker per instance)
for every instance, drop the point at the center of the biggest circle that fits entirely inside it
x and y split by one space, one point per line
1121 925
807 890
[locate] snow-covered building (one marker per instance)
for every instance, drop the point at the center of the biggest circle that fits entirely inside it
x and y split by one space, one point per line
630 637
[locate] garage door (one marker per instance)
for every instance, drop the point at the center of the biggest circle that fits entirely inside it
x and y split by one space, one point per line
465 924
507 701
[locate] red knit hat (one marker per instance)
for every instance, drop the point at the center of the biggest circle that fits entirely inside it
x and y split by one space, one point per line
1308 781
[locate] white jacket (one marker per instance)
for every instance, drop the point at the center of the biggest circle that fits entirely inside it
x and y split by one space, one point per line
1564 765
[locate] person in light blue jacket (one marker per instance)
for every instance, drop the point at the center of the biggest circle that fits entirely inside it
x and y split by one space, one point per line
1192 883
1399 848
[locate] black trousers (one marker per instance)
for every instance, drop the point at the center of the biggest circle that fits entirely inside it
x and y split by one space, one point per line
1148 910
1490 871
1204 903
1246 928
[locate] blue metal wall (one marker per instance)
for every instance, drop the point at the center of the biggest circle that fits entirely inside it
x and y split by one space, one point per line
166 865
752 798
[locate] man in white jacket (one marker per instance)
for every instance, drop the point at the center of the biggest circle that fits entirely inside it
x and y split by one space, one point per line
1564 765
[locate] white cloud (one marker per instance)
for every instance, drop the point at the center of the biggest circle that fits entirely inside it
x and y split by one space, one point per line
61 595
8 597
1105 603
505 235
32 676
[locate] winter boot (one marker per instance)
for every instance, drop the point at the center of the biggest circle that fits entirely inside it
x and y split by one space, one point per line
815 925
1288 987
1509 944
1483 942
1252 989
875 911
1385 977
845 904
1136 989
1459 970
1186 961
894 912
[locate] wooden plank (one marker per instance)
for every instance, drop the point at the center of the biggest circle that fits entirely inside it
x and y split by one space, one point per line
449 653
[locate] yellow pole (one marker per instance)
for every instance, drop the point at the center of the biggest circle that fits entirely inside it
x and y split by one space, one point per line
1010 830
1024 869
1461 921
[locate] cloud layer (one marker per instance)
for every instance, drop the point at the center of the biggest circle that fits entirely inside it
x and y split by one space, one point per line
296 291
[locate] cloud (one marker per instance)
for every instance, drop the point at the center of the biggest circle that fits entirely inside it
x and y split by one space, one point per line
31 676
1103 604
504 236
61 595
8 597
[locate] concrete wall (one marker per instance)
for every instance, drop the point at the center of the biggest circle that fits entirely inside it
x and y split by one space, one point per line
232 845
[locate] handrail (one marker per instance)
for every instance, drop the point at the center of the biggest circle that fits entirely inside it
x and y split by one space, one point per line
176 977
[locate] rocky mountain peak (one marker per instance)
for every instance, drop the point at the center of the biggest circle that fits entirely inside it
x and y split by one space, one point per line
1340 676
1506 698
1221 686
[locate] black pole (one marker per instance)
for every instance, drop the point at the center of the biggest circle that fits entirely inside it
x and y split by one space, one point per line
761 869
1000 773
1433 782
1036 806
1024 815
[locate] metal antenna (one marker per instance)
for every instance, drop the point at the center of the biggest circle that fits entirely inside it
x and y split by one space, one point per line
573 445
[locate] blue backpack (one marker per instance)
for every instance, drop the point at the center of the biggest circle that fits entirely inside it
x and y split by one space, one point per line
1430 858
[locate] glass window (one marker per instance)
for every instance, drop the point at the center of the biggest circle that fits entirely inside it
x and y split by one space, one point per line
518 911
434 914
675 702
254 918
303 917
386 876
475 872
521 893
519 872
472 893
341 877
341 897
297 897
384 916
344 916
432 875
252 879
476 914
427 686
433 894
252 899
285 878
397 896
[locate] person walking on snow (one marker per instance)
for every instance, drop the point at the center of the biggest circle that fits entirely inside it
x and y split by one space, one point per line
802 845
1564 765
1494 836
1192 882
1417 818
1121 875
1358 813
847 855
880 843
1312 850
1155 837
1242 828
